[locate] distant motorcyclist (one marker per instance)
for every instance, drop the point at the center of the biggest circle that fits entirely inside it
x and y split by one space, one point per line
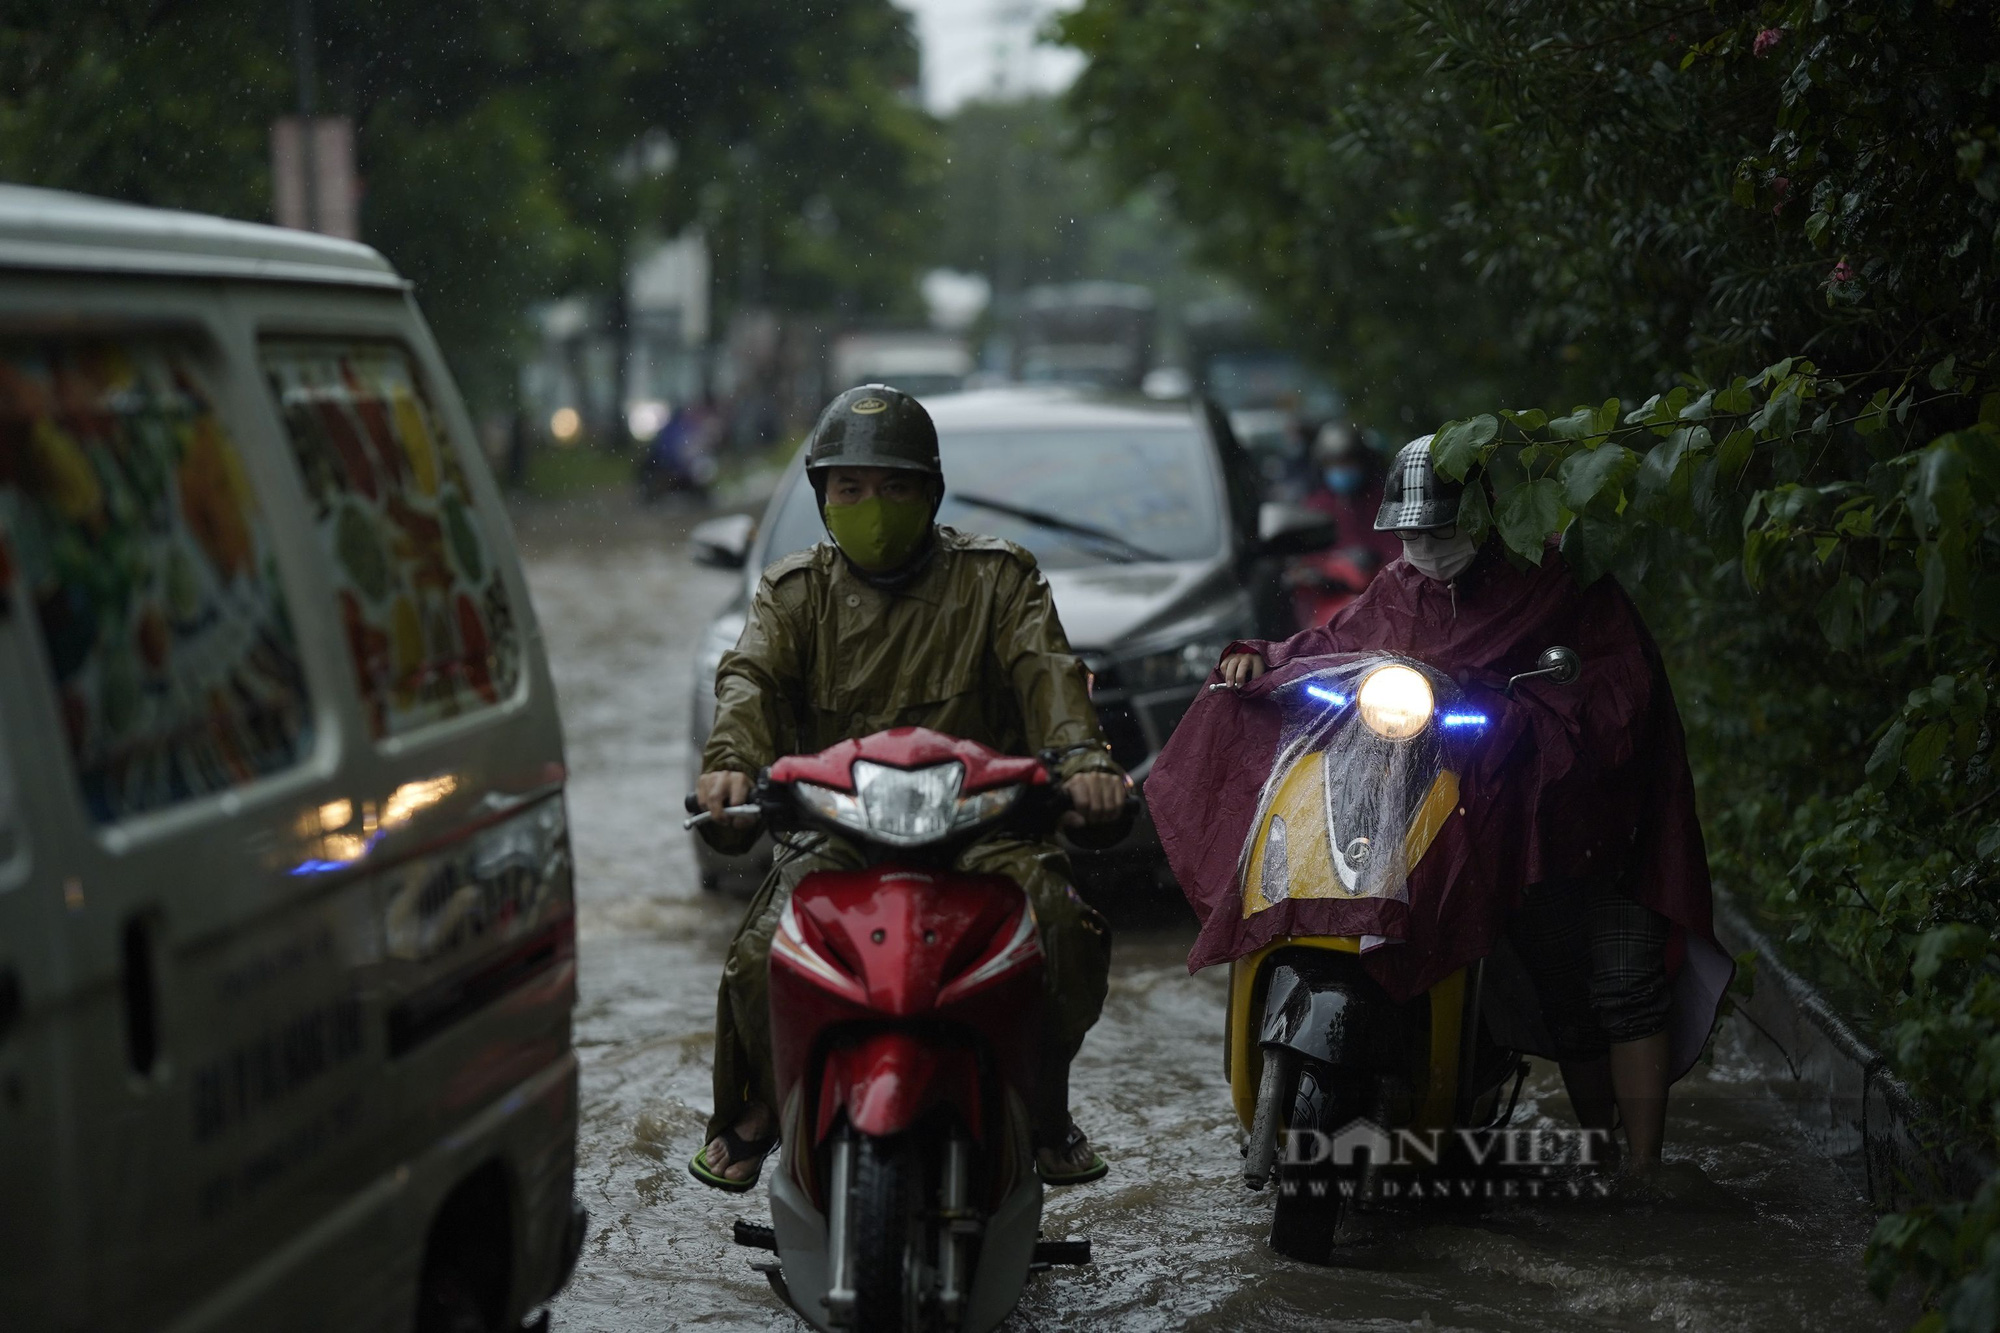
1347 484
1581 804
897 621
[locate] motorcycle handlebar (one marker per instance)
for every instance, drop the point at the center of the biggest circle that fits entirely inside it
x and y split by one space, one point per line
1058 803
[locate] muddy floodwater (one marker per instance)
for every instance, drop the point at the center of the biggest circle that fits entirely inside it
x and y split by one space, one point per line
1178 1241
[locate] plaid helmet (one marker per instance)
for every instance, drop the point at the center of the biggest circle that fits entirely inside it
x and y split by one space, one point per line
1414 495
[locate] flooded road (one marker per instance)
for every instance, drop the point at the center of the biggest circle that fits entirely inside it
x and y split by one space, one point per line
1178 1241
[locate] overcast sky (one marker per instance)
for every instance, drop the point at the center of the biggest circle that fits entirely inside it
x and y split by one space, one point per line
976 48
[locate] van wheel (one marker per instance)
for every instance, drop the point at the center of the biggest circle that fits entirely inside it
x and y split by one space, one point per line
890 1224
1312 1193
447 1304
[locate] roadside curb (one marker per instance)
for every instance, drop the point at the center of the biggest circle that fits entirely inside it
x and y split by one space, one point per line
1842 1091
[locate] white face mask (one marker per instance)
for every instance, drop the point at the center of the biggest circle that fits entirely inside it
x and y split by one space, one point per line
1441 558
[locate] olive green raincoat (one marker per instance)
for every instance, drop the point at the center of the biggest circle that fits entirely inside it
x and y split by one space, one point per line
970 647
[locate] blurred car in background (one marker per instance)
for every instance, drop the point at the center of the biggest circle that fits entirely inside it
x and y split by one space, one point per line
1089 333
920 362
287 929
1144 517
1275 401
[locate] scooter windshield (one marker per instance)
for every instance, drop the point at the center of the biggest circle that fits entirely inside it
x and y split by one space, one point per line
1360 783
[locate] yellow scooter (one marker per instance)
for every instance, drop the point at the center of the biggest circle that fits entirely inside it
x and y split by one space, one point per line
1323 1066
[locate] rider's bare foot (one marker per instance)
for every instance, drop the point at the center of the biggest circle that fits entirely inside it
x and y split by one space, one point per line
754 1124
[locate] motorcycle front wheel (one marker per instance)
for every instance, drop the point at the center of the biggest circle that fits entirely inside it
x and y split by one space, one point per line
1313 1192
890 1216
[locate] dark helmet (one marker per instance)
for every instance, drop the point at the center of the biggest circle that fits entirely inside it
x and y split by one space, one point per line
874 426
1414 495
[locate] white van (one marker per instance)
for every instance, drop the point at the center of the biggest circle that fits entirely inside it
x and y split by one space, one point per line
286 930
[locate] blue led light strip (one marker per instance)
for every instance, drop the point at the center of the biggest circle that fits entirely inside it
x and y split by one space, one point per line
1463 720
1337 700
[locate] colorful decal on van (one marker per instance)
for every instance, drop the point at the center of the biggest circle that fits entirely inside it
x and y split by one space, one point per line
430 630
133 532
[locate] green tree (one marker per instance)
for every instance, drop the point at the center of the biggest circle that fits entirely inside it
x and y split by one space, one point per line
495 140
1759 240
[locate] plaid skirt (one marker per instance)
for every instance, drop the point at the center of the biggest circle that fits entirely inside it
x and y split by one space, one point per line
1597 959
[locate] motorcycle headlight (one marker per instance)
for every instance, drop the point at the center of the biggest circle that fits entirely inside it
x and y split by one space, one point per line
1396 702
906 807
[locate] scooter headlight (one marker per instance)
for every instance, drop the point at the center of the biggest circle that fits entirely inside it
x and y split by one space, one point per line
907 807
1396 702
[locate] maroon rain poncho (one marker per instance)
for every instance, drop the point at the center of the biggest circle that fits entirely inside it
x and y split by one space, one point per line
1585 779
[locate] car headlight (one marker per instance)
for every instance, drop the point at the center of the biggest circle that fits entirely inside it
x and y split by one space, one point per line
1188 664
907 807
1396 702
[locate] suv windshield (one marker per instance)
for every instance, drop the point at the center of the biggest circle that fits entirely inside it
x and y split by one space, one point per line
1149 491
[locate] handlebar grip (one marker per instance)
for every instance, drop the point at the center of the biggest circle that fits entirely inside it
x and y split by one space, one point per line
692 804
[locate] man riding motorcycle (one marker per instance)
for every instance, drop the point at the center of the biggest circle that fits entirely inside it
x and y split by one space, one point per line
1576 834
898 621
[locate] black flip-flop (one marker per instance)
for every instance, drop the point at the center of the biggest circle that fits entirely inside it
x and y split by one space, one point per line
1095 1171
739 1150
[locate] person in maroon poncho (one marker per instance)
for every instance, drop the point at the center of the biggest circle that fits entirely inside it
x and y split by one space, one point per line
1576 839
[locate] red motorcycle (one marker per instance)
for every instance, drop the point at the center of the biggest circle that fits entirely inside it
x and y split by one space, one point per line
906 1196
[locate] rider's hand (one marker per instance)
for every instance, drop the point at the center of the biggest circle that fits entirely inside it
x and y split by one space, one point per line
717 790
1239 669
1097 798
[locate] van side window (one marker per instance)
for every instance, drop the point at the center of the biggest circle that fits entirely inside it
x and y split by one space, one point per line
129 529
430 631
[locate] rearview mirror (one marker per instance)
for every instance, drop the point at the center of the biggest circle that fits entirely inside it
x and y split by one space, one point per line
1285 529
1558 666
723 543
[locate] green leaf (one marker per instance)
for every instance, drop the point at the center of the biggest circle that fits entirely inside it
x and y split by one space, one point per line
1735 453
1698 410
1756 545
1888 753
1941 373
1780 416
1643 412
1581 422
1532 419
1930 602
1588 474
1735 400
1925 752
1528 515
1456 448
1475 517
1841 613
1774 372
1591 546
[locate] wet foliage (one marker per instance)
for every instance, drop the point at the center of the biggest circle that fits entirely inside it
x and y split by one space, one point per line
509 152
1760 241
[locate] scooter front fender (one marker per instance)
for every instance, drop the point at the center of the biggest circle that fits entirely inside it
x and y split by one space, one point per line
887 1081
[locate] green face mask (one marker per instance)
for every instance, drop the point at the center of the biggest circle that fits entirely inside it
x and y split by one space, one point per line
879 535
